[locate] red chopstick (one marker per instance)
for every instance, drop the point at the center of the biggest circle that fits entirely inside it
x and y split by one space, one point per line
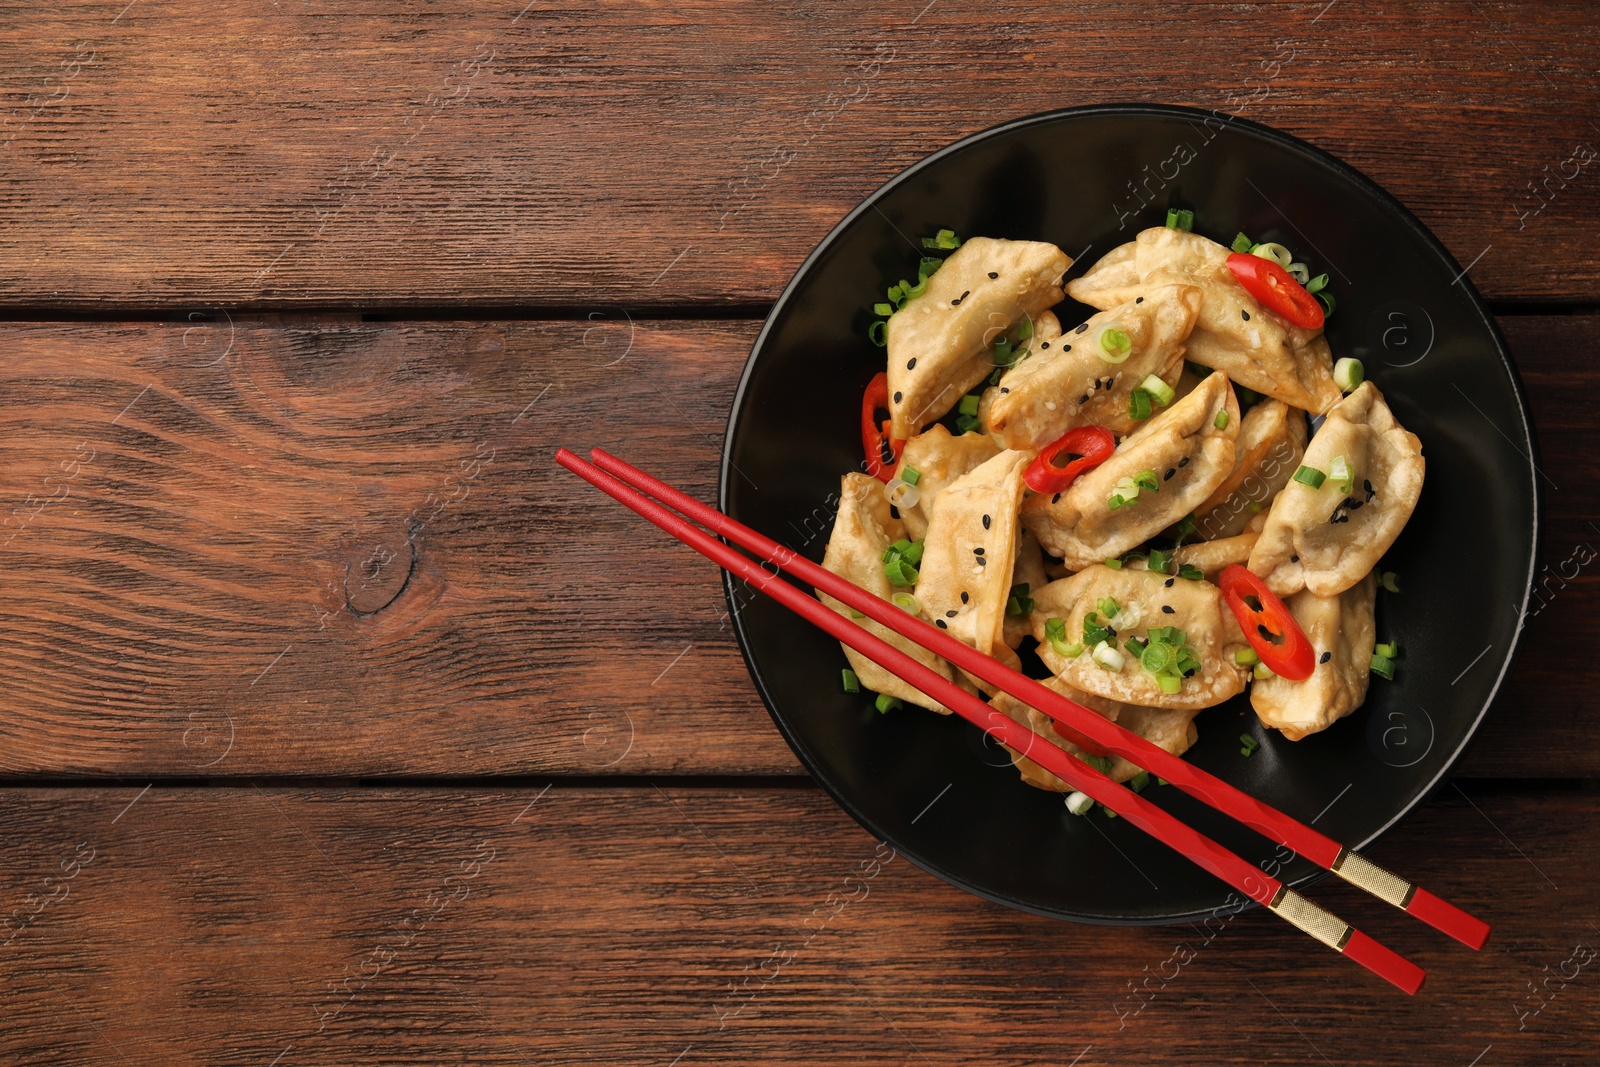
1247 879
1080 725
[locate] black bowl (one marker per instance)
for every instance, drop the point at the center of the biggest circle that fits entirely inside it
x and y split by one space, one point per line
1088 179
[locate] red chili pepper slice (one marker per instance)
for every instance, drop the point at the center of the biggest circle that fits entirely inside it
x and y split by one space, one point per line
874 435
1092 445
1277 290
1268 626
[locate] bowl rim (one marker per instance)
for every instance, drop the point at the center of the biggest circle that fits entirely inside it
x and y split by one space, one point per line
1135 109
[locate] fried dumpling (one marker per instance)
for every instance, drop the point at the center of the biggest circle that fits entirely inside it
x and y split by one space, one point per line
1171 729
939 457
1234 333
863 529
1211 558
1113 279
1340 627
1145 601
1069 383
1327 539
940 342
1272 438
1182 449
969 552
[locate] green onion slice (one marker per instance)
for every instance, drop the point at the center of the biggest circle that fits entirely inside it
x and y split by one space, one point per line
1317 284
1139 406
1160 561
1108 607
910 475
1241 243
1114 343
851 683
886 703
1348 373
1382 666
1246 657
1221 421
1310 476
1344 478
878 333
1160 390
906 602
1387 580
1114 563
1274 251
1387 651
1148 481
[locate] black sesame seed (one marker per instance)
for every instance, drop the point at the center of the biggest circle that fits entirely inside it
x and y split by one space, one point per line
963 596
978 551
986 522
1354 504
960 298
1044 344
1326 656
1056 499
1166 609
1367 485
1004 389
1245 313
1294 559
1168 582
1138 300
1170 472
911 363
1081 327
1066 348
994 274
897 398
952 613
982 562
941 624
1184 462
1111 631
1084 399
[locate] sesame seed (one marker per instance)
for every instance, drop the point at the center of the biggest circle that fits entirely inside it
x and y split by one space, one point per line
963 596
1084 399
911 363
986 522
1294 559
1166 609
897 397
1326 656
1044 344
994 274
1004 389
1082 326
1056 499
1184 462
1170 472
978 551
960 298
1168 582
1138 300
1066 348
982 562
952 613
1111 630
1245 313
941 624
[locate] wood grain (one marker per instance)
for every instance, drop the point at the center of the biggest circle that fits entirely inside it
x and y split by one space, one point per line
343 549
235 925
474 153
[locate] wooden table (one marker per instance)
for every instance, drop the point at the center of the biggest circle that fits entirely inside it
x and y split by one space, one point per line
339 727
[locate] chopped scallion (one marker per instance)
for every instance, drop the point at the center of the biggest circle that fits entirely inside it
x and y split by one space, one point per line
1170 683
878 333
1080 803
1108 607
1184 530
1139 781
1317 284
1263 672
1191 572
1099 763
910 475
1246 657
1274 251
1344 479
1221 421
851 683
1387 580
906 602
883 309
1160 390
1024 328
1114 563
967 423
944 239
1328 302
1160 561
1148 481
1139 406
1387 651
1382 666
1299 272
1310 476
1241 243
1114 343
928 266
1247 745
1180 219
886 703
969 404
900 573
1348 373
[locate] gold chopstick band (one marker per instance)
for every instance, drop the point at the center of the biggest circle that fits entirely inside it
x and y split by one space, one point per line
1322 925
1361 872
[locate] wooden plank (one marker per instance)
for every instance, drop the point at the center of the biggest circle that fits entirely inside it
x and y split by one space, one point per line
343 549
485 153
693 926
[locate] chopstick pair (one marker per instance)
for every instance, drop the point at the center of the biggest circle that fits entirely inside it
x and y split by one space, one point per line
628 485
